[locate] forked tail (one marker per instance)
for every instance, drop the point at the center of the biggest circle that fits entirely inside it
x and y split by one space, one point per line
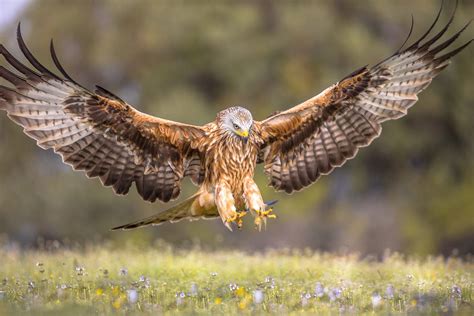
189 208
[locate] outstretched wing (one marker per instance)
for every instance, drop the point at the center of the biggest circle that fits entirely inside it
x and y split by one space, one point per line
98 132
311 139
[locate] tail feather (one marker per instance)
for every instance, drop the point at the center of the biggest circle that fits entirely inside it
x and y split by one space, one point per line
189 209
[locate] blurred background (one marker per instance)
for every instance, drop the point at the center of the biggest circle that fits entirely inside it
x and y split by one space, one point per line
412 190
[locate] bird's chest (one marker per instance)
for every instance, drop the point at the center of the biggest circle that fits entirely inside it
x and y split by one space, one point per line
231 163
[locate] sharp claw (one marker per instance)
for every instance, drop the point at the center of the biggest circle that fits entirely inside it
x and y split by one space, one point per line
258 223
227 224
239 223
267 213
231 219
235 218
262 218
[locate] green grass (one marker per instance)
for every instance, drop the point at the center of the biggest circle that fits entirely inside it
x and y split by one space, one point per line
105 280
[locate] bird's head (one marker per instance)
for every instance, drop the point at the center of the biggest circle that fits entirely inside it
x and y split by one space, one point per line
236 121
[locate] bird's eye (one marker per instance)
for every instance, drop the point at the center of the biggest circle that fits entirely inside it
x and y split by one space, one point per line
236 126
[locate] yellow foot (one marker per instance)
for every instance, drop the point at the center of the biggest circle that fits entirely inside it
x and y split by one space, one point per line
235 218
261 218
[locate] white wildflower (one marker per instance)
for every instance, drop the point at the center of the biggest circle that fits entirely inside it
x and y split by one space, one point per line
80 270
334 294
194 289
258 296
376 300
123 272
305 297
389 292
456 291
180 296
132 296
270 282
319 290
31 285
145 281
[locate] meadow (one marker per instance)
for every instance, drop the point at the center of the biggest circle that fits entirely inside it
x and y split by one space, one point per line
160 279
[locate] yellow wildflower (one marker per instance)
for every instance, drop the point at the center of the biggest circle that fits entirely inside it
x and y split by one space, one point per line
119 301
245 301
240 292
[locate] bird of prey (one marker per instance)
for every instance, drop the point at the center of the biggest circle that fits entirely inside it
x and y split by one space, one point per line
102 135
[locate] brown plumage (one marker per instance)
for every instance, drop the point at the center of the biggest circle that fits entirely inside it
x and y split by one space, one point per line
100 134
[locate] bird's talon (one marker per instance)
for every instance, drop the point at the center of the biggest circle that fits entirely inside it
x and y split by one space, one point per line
239 223
258 223
267 213
261 218
227 224
236 218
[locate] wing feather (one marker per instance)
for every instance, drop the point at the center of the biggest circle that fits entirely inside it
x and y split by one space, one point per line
323 132
99 133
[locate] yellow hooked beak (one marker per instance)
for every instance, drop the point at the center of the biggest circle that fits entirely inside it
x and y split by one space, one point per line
243 133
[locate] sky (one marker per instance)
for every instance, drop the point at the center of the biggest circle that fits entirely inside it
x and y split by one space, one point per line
10 10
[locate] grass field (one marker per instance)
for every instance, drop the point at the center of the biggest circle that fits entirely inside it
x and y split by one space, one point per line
154 280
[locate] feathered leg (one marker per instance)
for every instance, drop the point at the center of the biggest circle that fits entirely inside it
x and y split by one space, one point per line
226 206
254 202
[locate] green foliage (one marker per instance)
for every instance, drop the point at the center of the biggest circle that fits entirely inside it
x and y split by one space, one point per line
410 190
130 279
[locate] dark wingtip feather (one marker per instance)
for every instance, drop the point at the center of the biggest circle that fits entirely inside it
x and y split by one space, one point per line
449 41
17 64
398 51
443 31
2 49
24 49
409 34
58 64
11 77
429 29
453 53
106 93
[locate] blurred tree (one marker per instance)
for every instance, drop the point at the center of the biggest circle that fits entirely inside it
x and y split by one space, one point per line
411 190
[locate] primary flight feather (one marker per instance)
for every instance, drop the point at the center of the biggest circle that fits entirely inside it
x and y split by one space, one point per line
100 134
